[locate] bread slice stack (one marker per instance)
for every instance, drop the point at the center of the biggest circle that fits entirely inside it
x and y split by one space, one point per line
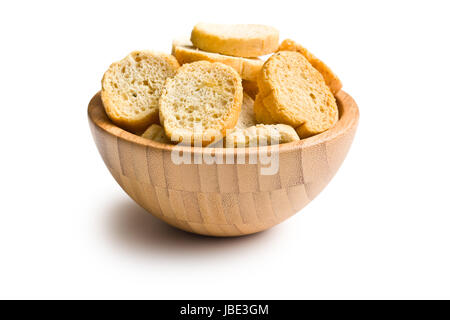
224 92
238 46
185 52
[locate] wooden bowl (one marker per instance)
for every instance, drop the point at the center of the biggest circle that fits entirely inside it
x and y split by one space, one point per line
223 199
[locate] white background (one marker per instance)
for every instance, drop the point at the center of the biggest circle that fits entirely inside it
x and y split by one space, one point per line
381 229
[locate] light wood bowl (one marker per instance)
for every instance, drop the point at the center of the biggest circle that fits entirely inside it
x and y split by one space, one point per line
222 199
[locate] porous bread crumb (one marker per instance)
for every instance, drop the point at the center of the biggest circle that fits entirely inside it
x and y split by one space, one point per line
201 102
131 88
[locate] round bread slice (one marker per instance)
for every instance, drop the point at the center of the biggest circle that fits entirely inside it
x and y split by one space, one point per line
295 93
240 40
156 133
185 52
201 102
131 88
261 135
331 79
247 116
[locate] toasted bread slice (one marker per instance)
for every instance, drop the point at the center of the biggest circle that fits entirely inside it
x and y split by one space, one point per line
201 102
185 52
156 133
247 116
331 79
250 88
261 135
131 88
239 40
295 93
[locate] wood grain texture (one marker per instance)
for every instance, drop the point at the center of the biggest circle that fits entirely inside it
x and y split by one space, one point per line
222 199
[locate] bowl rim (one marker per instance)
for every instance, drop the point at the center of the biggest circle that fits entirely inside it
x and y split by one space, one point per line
348 120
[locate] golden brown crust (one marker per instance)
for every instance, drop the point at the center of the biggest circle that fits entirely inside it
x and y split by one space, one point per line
185 52
294 93
132 125
235 40
331 79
